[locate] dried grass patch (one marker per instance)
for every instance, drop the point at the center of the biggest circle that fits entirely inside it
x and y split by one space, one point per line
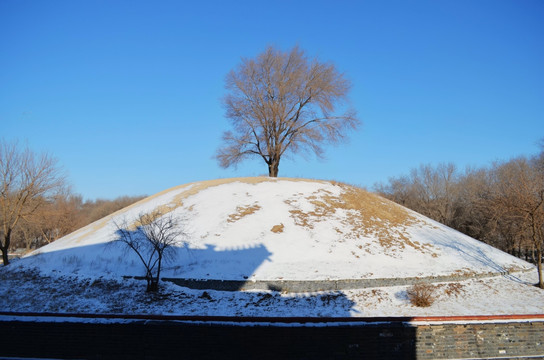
368 215
196 187
454 289
149 218
243 211
191 189
465 272
277 228
371 297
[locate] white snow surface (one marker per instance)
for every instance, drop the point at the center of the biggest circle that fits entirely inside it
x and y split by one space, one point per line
29 293
228 235
217 245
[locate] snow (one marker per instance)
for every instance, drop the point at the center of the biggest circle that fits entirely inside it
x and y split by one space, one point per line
227 225
29 292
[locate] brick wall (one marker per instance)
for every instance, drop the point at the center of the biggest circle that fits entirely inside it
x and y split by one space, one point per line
170 337
480 340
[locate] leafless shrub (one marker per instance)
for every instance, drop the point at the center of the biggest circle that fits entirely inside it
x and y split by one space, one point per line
152 237
421 295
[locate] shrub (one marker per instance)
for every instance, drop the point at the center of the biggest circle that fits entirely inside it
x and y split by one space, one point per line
421 295
152 237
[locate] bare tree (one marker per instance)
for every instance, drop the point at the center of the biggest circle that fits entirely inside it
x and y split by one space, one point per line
152 238
283 102
519 195
502 205
60 215
474 214
57 217
398 189
99 208
436 190
431 191
27 182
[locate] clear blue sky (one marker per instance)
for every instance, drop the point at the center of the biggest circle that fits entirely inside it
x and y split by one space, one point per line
127 94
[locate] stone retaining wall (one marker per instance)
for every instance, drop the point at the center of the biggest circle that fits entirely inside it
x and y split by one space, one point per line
320 285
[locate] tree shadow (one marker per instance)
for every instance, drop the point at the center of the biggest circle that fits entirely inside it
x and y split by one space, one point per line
473 252
298 338
209 269
215 263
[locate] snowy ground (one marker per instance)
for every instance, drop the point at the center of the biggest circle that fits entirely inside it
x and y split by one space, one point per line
272 229
31 292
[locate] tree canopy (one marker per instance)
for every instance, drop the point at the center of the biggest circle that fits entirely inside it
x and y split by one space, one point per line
282 102
27 182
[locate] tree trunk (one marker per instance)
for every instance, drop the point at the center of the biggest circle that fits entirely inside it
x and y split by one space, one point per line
152 285
537 243
539 267
273 168
5 247
5 256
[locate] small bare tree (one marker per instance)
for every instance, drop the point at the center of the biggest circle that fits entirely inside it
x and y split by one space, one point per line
283 102
28 181
152 237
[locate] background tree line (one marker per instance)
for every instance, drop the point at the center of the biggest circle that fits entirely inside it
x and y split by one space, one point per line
63 214
36 204
501 204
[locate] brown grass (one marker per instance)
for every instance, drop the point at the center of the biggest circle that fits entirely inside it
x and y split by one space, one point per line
453 289
277 228
368 215
371 297
421 295
192 189
242 211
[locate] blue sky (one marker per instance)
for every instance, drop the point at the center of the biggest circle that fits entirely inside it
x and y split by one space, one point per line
127 94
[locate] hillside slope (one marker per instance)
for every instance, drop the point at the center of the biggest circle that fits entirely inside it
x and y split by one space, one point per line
265 228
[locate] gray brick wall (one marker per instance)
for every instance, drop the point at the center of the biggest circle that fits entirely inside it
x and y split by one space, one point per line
166 339
484 340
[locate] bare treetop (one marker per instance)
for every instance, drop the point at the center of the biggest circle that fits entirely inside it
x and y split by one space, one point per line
281 102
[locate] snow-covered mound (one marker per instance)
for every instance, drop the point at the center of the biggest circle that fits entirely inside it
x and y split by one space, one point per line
279 229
